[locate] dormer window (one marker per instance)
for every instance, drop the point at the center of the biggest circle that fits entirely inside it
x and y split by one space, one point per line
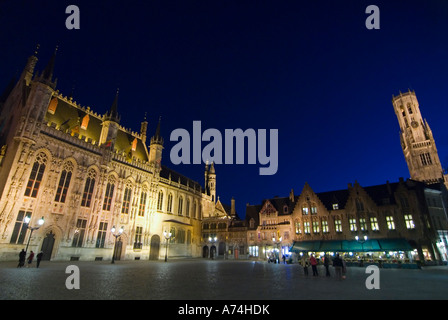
285 209
335 206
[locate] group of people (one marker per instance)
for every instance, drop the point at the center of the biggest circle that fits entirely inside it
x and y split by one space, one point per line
337 262
22 258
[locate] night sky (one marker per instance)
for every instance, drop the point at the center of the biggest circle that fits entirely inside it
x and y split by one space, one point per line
310 69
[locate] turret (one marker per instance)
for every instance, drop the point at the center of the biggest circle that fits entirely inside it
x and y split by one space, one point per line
156 147
110 125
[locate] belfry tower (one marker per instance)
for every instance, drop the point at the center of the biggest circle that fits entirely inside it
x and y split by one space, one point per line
417 141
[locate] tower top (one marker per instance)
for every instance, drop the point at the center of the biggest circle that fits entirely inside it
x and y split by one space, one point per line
157 138
112 114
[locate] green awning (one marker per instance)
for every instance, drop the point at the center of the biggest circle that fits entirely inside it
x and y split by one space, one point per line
395 245
352 245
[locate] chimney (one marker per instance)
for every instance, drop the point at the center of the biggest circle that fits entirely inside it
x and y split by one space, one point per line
232 207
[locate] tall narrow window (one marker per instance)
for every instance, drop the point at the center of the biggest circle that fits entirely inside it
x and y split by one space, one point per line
20 227
359 205
126 200
108 196
305 210
138 238
142 206
306 227
362 224
160 201
409 221
88 189
169 205
374 224
338 225
79 233
325 226
64 182
179 208
101 237
353 226
298 230
390 222
187 208
316 228
194 209
36 175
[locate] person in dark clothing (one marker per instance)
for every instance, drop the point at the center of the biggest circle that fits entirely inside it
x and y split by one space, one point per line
337 264
30 258
39 257
313 263
22 257
327 262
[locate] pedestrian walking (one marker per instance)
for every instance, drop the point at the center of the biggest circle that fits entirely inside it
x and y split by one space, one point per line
337 264
344 269
313 262
304 263
327 263
22 257
39 257
30 258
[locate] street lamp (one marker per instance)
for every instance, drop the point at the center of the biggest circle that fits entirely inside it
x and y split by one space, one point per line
167 236
277 243
27 220
362 246
116 235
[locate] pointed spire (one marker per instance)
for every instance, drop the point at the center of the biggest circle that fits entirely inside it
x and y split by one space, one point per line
112 114
212 168
157 138
28 71
47 74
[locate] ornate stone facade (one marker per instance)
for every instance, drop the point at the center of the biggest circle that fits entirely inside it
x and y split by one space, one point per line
85 173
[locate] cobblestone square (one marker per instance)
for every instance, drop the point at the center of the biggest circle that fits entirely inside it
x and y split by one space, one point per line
199 279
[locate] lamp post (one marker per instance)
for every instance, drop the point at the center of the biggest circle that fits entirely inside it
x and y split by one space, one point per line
167 236
277 243
362 247
27 220
212 240
116 235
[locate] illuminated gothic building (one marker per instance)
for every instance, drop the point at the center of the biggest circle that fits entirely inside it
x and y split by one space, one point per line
408 216
84 173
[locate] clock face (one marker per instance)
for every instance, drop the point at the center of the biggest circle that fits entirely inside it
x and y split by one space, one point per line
414 124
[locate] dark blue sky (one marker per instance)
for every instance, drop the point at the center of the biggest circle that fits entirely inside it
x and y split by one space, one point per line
310 69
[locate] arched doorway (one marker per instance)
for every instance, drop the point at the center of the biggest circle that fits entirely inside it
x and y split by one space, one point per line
212 252
154 248
117 249
221 248
47 246
205 252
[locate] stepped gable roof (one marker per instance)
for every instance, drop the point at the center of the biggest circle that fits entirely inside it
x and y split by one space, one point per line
252 213
329 198
280 203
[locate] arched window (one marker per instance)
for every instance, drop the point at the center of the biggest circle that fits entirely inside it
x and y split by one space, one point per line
142 206
194 209
36 175
109 194
187 208
179 208
64 182
88 188
126 200
169 205
160 201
